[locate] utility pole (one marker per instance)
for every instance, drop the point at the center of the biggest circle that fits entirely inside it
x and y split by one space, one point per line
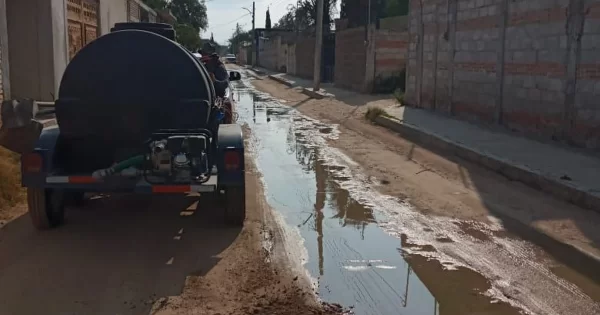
318 45
297 18
254 47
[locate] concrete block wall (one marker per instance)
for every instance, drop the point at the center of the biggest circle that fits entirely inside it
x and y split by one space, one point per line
350 58
535 75
305 52
530 65
291 59
586 112
1 74
391 48
475 55
268 53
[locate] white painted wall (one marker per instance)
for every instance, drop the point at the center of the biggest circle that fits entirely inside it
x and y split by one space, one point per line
36 43
4 65
111 12
59 40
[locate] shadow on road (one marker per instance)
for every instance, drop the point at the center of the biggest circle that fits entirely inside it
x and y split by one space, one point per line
115 256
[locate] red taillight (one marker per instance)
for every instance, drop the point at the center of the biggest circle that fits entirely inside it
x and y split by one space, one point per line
32 163
232 160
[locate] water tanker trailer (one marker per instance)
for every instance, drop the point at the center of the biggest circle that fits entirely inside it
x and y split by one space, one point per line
136 112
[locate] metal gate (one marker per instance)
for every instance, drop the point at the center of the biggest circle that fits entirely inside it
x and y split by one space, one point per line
328 60
82 19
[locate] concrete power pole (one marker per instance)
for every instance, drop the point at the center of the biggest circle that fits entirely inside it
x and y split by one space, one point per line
254 48
318 45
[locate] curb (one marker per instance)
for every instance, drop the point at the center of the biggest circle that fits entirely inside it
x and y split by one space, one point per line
280 80
253 74
258 71
559 189
313 94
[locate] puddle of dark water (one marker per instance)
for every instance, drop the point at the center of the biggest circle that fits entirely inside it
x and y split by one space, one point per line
356 263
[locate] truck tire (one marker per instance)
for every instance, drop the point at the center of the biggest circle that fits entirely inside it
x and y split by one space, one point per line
77 199
235 205
46 207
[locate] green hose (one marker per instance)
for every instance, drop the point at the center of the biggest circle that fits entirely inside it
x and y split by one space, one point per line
134 161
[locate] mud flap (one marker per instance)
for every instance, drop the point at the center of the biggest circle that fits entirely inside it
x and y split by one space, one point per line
19 131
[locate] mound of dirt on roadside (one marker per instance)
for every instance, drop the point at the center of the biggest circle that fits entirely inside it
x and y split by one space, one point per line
11 192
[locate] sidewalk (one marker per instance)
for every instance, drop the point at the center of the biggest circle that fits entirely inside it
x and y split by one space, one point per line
568 173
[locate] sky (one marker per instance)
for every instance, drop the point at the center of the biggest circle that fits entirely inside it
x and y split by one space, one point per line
224 14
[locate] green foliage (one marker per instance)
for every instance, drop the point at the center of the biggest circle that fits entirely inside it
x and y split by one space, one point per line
288 20
399 95
390 84
191 12
374 112
157 4
305 15
238 38
396 8
268 20
188 36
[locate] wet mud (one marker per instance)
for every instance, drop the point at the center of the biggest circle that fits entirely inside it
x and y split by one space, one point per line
352 260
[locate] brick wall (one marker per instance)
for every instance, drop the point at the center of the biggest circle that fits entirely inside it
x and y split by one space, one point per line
305 53
391 48
514 62
350 58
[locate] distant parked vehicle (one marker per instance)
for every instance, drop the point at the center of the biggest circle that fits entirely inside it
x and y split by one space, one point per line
230 58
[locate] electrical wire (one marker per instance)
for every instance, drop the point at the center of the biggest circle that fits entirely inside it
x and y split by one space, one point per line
239 18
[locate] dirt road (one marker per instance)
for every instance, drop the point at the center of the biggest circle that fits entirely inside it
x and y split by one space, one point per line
498 241
160 255
366 219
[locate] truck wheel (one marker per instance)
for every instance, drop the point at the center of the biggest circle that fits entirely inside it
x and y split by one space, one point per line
235 205
77 199
46 207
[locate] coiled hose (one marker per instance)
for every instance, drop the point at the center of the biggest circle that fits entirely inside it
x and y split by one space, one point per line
134 161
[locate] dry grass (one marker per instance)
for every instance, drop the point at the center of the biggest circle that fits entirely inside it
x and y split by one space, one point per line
11 192
374 112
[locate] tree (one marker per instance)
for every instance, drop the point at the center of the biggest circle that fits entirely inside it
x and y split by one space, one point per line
212 39
287 21
157 5
239 37
188 36
191 12
304 17
268 21
396 8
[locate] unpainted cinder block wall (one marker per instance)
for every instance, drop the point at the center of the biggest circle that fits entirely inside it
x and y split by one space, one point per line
305 54
530 65
1 83
350 58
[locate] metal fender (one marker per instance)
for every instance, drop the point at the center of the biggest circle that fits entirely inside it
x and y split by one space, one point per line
230 139
45 146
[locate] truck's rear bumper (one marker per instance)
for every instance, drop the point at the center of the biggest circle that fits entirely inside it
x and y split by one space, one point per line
117 184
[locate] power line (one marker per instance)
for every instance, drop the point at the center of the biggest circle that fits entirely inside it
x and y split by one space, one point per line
239 18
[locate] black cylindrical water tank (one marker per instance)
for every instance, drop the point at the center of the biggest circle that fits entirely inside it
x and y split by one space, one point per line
127 84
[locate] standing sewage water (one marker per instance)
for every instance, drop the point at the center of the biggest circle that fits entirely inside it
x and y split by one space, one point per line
353 261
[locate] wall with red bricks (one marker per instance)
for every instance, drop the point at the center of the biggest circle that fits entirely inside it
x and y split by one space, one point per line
530 65
350 58
585 129
305 54
391 48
